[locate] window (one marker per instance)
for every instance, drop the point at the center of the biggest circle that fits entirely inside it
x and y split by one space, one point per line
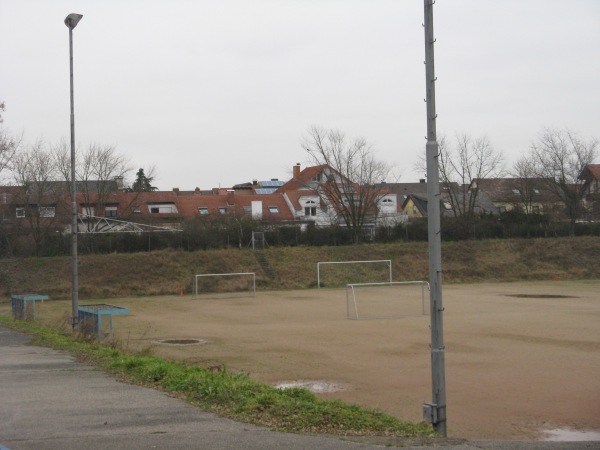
136 209
20 213
47 211
273 209
387 201
447 205
536 191
110 211
162 208
223 210
516 192
310 211
247 209
203 210
87 210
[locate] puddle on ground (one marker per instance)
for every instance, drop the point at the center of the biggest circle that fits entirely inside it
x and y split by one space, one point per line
318 387
567 435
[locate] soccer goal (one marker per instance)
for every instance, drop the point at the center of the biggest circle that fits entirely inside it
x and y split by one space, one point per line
339 273
225 283
385 300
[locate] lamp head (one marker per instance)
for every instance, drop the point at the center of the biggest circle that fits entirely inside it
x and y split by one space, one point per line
72 20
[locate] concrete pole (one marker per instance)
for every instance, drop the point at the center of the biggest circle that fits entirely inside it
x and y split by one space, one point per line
71 22
436 411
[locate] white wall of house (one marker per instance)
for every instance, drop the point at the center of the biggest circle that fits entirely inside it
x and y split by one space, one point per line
256 209
388 211
311 208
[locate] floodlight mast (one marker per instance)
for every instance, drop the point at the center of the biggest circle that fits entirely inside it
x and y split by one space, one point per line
71 22
435 412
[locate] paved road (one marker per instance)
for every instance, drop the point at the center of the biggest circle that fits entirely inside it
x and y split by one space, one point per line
50 401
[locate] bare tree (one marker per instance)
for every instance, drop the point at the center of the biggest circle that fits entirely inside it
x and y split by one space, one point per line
352 177
468 160
100 172
41 198
9 144
559 156
527 183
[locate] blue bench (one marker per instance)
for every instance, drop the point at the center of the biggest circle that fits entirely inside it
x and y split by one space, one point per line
90 317
23 305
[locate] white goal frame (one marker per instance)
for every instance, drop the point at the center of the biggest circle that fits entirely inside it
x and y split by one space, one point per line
350 288
251 292
388 261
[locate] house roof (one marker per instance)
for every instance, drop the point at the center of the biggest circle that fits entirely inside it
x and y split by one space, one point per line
303 178
420 201
188 205
590 171
295 196
510 190
402 190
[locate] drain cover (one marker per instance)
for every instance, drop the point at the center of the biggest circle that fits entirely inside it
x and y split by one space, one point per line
182 341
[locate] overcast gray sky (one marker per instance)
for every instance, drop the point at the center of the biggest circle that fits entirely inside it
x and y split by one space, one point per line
215 93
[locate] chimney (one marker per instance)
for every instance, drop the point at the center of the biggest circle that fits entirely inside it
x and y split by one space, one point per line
230 199
296 171
176 191
254 182
119 182
422 180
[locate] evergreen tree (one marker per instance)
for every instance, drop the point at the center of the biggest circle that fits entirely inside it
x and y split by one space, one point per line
142 183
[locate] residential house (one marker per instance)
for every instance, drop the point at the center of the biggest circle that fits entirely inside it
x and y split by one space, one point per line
308 196
526 195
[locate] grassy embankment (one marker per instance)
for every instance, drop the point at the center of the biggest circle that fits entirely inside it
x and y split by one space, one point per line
167 272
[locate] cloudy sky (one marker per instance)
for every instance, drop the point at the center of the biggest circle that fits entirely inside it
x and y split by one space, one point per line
214 93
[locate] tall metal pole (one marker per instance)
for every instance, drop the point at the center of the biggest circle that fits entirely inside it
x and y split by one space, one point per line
71 22
435 411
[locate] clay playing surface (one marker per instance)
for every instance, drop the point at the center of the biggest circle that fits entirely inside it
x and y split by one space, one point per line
521 358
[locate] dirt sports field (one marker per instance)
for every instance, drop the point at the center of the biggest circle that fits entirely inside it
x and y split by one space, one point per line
521 358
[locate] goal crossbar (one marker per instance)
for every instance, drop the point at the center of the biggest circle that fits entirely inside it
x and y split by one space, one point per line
350 289
252 291
388 261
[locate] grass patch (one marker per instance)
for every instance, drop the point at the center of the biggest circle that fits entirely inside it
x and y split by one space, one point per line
233 395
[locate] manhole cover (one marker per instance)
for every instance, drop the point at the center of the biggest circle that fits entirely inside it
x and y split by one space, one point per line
318 387
182 341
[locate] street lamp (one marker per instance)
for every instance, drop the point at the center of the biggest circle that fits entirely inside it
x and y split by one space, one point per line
71 22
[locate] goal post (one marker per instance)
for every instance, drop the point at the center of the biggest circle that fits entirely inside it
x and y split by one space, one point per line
386 262
231 287
375 301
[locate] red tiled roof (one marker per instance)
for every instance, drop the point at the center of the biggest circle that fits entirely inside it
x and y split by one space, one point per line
593 170
188 205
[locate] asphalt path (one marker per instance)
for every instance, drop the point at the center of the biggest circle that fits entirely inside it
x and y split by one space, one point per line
48 400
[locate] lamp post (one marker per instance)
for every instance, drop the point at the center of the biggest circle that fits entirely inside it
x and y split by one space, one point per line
71 22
